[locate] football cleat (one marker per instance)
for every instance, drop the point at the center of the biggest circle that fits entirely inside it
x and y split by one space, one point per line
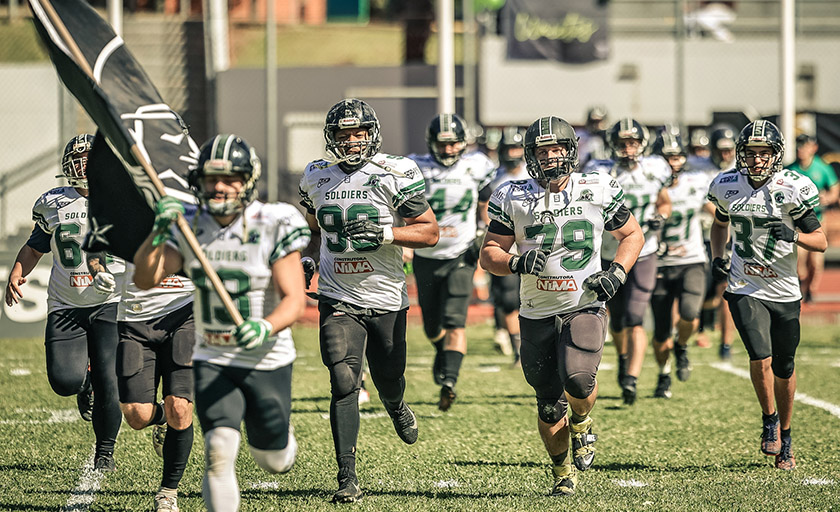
628 390
583 443
501 342
771 444
565 480
663 387
622 368
104 463
405 423
785 460
84 401
164 503
683 365
348 488
158 438
447 397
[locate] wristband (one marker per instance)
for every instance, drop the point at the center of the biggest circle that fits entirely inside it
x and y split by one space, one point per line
387 234
795 236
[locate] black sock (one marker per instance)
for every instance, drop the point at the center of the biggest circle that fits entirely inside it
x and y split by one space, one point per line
577 418
785 434
344 422
707 317
770 418
159 416
438 345
515 343
451 367
560 460
176 452
346 463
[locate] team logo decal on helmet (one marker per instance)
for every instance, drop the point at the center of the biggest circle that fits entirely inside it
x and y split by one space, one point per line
74 160
446 129
347 114
757 135
226 155
551 131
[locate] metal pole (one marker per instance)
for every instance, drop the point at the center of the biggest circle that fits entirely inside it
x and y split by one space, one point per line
788 83
14 10
271 100
470 79
115 16
446 56
679 64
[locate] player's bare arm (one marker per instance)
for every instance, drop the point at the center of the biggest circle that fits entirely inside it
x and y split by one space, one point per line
494 256
718 236
313 223
663 203
630 241
153 263
420 231
287 275
25 261
813 241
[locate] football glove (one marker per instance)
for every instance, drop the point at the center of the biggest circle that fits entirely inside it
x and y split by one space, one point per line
606 282
309 268
780 231
720 268
104 283
250 334
656 223
166 212
363 230
530 262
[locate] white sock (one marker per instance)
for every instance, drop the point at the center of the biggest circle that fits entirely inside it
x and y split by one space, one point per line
219 487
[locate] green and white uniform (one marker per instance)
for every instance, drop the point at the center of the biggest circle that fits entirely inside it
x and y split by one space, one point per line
682 233
570 225
62 214
641 188
137 305
366 275
762 266
242 253
452 193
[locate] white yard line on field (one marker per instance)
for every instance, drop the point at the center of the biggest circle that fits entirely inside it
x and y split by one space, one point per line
20 372
85 491
55 416
831 408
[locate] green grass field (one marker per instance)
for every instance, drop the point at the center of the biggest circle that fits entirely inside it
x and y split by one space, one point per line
697 451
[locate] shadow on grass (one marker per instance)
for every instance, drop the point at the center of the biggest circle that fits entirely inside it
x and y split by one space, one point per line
13 505
327 493
21 466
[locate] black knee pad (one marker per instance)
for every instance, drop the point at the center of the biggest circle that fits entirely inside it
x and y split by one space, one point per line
580 385
551 411
344 380
782 366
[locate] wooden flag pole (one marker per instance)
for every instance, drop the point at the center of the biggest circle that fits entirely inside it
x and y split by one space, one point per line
181 222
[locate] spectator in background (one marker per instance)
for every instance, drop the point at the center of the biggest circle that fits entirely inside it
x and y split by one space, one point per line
592 137
810 265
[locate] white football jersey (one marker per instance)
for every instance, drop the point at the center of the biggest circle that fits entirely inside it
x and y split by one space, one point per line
137 305
242 253
571 225
364 275
452 193
641 188
762 266
62 213
682 232
520 172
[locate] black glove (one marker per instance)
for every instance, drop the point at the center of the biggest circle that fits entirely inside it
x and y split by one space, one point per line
363 230
309 268
530 262
656 223
606 282
779 231
720 269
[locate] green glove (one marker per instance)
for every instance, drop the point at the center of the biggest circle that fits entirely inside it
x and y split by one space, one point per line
166 211
250 334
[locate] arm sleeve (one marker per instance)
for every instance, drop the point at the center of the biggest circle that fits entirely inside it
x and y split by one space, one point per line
619 219
39 239
498 228
484 194
414 207
808 222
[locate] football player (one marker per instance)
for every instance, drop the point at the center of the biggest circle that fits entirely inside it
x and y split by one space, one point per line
241 372
644 180
457 189
682 262
367 205
557 220
157 334
505 289
771 211
592 136
81 328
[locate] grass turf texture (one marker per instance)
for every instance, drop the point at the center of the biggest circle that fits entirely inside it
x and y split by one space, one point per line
697 451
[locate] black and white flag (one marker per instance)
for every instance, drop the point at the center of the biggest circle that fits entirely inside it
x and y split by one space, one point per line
128 110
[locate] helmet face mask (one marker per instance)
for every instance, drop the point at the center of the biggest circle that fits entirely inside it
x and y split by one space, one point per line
229 159
669 145
511 152
343 119
722 147
74 160
446 138
545 133
760 139
620 136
